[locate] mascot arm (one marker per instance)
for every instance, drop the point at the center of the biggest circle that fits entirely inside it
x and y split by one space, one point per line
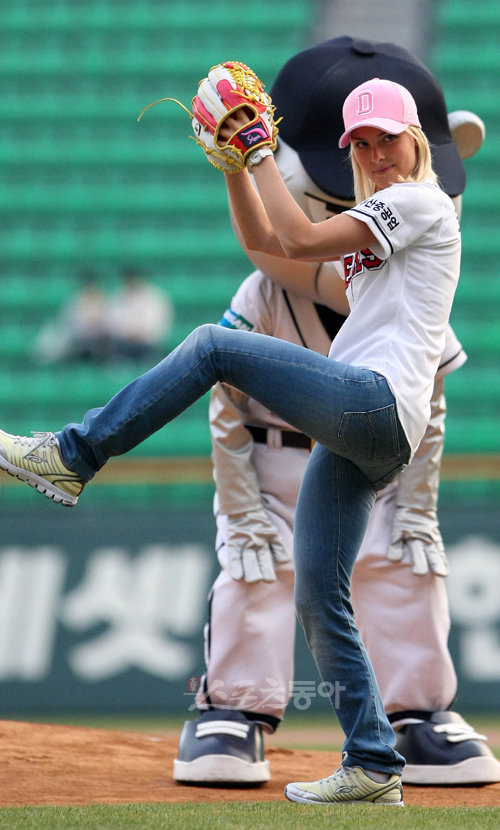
320 283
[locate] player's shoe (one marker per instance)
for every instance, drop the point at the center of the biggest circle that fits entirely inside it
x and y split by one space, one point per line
348 785
221 747
37 461
444 750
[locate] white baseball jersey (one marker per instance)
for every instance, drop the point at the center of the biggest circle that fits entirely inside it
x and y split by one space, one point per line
401 292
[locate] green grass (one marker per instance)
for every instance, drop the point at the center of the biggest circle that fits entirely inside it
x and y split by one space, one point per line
250 816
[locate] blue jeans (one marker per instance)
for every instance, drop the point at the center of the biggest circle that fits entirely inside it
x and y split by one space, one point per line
351 413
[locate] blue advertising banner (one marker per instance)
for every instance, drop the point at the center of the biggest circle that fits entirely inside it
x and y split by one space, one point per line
102 608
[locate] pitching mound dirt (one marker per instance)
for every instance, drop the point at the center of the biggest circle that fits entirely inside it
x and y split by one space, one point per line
63 765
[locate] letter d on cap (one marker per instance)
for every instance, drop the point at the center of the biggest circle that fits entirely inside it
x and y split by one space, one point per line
365 102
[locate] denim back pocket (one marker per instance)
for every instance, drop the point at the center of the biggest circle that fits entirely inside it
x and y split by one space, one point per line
372 435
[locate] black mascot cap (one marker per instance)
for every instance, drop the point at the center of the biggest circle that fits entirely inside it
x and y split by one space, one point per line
310 90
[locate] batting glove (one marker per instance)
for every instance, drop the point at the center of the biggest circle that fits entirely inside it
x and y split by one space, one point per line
254 547
417 532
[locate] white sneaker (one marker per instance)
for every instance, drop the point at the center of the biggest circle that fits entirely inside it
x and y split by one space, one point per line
347 785
37 461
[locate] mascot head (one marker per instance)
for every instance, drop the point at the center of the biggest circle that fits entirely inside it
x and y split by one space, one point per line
308 94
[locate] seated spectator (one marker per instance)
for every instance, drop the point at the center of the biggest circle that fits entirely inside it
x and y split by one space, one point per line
140 319
80 331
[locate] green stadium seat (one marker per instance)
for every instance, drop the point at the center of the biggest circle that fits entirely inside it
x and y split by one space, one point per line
459 15
86 186
466 60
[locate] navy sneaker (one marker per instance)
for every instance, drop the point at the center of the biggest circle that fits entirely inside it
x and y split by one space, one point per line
221 747
444 749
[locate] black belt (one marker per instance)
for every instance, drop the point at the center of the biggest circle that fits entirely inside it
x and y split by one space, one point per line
288 438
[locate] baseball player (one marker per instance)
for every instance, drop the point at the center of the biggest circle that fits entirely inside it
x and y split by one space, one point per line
398 590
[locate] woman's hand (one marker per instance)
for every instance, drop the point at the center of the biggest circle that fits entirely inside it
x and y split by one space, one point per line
233 123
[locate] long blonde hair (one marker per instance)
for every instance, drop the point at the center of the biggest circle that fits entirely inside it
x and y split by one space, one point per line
364 186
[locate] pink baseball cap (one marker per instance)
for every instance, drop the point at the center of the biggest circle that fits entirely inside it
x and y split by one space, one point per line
378 103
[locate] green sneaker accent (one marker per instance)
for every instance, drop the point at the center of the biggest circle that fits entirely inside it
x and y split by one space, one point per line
37 461
347 785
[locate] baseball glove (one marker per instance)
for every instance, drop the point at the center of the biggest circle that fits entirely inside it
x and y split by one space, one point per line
231 86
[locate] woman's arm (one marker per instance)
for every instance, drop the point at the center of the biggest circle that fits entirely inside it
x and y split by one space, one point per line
256 232
319 282
298 236
270 221
258 238
273 223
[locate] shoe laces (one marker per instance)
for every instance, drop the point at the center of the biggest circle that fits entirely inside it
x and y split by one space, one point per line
47 438
457 732
340 778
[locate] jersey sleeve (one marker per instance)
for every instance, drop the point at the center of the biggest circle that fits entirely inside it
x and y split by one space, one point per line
252 306
399 215
454 354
